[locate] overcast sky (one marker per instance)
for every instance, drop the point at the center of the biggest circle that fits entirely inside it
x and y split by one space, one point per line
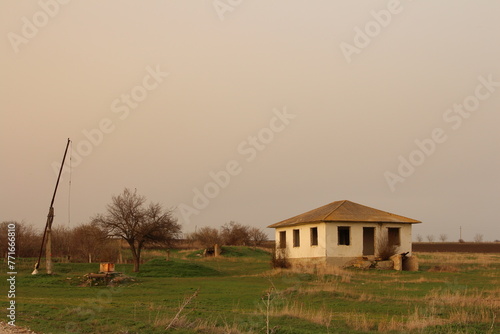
253 111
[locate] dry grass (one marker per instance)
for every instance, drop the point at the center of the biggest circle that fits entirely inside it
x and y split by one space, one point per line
457 259
359 321
422 318
198 325
322 272
297 309
395 278
418 319
463 298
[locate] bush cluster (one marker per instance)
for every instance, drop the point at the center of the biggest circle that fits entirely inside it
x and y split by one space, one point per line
79 244
229 234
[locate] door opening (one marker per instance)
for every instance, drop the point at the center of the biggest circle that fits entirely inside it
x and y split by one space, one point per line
368 240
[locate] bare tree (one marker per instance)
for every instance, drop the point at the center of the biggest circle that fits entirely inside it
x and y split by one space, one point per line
443 237
207 236
419 238
430 238
257 236
478 238
128 218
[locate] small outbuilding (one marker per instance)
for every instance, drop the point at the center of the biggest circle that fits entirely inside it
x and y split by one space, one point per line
340 232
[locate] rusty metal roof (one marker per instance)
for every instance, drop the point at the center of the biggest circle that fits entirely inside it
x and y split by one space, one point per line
345 211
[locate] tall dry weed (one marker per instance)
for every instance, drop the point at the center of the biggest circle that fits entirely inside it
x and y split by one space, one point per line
465 297
321 272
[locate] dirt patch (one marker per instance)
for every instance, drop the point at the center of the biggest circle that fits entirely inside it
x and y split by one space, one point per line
8 329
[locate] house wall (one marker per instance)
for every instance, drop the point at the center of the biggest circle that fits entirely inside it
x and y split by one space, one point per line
328 246
305 250
339 254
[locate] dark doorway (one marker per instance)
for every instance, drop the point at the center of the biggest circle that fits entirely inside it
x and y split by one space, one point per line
368 240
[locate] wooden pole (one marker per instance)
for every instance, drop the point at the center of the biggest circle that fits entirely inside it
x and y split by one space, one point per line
48 225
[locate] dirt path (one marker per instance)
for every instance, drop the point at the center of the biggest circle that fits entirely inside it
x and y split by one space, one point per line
8 329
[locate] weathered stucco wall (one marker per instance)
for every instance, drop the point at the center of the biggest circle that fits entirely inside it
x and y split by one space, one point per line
355 249
305 249
328 242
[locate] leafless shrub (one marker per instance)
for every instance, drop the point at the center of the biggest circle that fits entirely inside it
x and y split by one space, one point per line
207 236
279 259
385 249
257 236
27 239
478 238
73 244
229 234
419 238
235 234
443 237
89 241
430 238
61 241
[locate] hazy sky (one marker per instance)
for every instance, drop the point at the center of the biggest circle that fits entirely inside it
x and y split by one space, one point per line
390 104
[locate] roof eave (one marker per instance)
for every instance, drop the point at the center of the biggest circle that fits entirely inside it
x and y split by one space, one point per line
277 225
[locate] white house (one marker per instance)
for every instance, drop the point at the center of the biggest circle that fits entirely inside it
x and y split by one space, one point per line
340 232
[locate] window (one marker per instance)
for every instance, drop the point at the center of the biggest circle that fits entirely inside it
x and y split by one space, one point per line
296 238
283 239
314 236
344 235
393 236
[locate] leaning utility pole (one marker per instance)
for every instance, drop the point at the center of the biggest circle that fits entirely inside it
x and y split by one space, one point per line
47 234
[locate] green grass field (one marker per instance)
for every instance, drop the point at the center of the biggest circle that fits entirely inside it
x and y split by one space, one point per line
239 293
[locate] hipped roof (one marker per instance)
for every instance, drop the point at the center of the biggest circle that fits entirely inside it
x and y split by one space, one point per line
345 211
